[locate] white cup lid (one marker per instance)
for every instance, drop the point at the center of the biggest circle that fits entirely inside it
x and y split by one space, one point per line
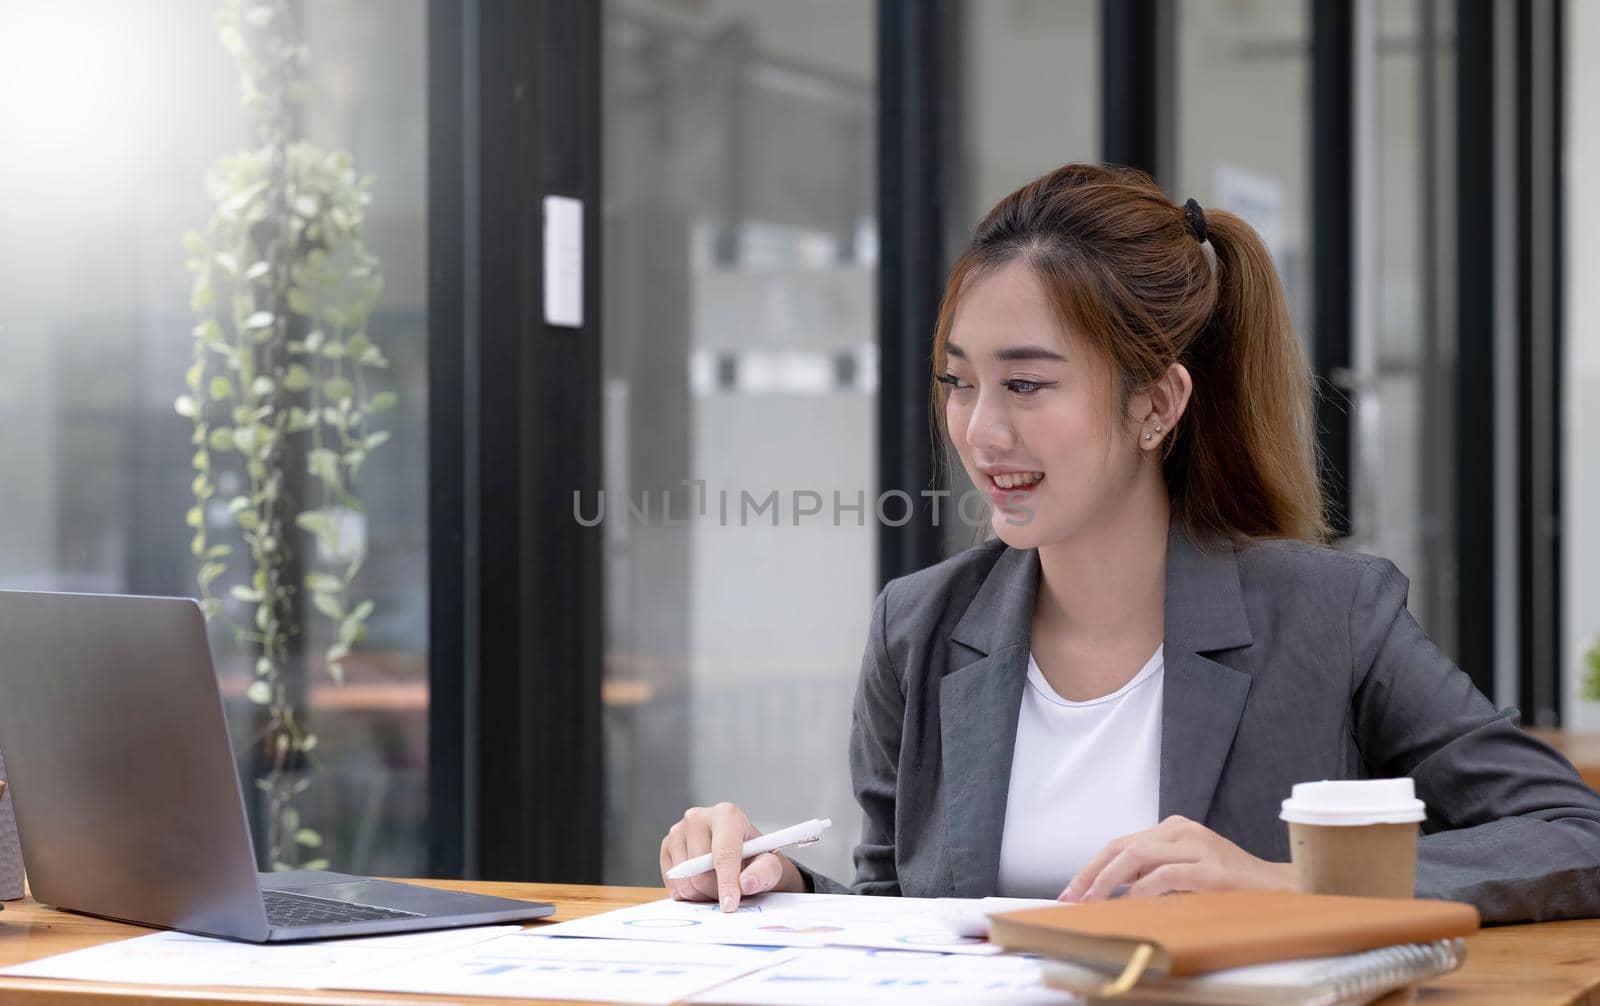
1354 802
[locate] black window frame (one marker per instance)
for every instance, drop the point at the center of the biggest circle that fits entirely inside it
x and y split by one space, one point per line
515 769
917 71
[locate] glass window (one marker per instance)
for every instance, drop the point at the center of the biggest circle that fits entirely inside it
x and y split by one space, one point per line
1414 503
1243 121
1580 461
1027 101
131 134
740 403
1028 98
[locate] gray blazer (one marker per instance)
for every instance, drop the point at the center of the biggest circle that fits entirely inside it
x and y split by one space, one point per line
1285 662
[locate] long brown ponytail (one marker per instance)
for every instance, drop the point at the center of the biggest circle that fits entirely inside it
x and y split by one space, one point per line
1126 269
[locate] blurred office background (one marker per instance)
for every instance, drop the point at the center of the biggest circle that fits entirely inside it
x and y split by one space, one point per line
771 192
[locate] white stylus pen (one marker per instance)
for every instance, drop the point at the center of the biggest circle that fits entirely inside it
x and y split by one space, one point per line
801 834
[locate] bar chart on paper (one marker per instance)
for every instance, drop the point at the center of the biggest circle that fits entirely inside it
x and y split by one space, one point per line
787 920
848 977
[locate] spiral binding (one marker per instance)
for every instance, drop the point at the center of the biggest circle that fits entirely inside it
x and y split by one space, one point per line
1375 971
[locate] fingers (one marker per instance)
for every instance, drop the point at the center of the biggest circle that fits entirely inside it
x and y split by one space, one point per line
668 860
728 827
1132 858
1175 878
674 850
1134 862
697 842
1086 876
703 831
1126 859
762 874
719 832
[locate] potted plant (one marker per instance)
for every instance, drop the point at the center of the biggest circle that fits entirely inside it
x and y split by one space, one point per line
283 406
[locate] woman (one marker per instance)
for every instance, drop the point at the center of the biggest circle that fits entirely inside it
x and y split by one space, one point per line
1120 690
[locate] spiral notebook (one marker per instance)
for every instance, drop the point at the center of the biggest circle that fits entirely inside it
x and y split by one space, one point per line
1320 981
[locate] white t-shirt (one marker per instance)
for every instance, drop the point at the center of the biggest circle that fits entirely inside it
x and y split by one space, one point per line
1082 774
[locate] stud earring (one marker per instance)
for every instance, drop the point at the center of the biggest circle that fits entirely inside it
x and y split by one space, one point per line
1147 436
1158 427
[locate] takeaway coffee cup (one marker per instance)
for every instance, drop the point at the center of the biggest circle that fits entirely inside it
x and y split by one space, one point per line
1355 836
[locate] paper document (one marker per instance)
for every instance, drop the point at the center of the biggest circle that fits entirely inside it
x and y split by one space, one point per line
970 916
546 967
839 977
787 920
171 958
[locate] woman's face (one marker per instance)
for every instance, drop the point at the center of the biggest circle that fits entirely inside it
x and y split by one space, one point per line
1030 410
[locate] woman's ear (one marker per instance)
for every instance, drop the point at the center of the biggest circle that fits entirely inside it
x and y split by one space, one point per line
1161 407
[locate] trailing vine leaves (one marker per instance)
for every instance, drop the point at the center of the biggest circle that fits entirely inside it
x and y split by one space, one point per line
282 375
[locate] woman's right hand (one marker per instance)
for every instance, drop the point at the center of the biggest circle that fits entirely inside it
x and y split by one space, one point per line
722 831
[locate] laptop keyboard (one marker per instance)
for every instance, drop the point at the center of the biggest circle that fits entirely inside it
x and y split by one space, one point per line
285 909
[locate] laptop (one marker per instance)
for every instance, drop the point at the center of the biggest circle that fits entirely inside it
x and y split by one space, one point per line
127 798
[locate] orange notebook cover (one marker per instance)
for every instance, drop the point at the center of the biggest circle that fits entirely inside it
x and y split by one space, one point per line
1191 934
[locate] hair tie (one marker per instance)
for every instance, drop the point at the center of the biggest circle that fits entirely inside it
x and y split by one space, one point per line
1197 220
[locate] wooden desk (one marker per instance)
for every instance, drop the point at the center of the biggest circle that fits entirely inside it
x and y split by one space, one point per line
1544 965
1582 749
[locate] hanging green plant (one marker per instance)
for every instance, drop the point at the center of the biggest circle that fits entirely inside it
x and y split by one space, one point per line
280 395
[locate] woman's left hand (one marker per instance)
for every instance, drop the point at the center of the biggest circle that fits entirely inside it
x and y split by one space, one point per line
1176 855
